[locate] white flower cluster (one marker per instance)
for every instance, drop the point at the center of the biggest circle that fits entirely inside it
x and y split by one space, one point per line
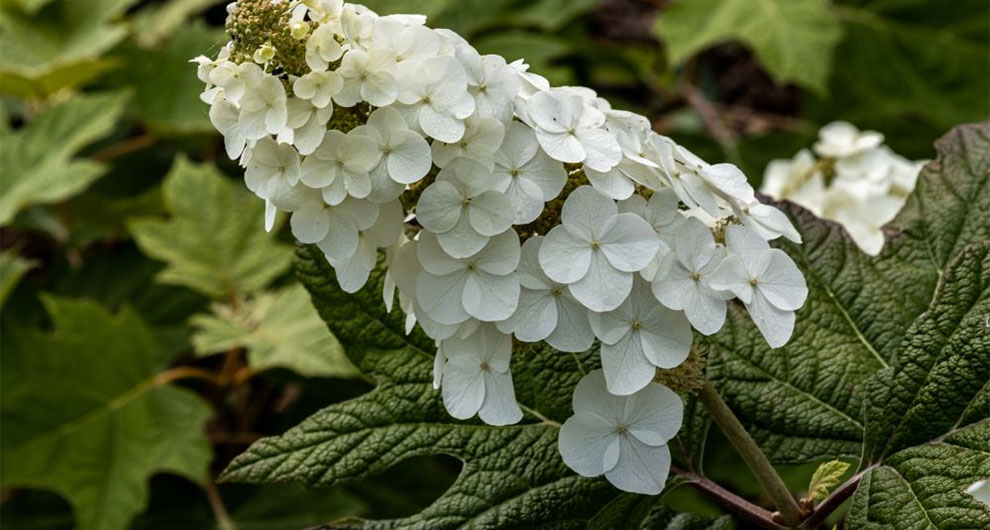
507 210
856 181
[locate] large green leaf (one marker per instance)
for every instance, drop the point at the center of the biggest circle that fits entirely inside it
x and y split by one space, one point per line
278 329
85 415
804 401
927 424
903 57
214 242
37 161
58 46
166 88
792 38
939 381
513 476
923 487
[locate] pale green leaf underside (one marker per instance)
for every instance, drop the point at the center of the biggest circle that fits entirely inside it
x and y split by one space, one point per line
83 415
60 45
804 401
215 240
37 161
792 38
278 329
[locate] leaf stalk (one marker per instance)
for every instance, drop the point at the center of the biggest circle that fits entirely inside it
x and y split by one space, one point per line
751 454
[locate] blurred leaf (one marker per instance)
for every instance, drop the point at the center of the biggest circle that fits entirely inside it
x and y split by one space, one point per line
156 22
37 161
804 401
12 268
826 477
94 216
551 15
59 46
120 276
85 415
27 6
903 57
927 425
513 475
166 87
538 50
214 242
278 329
793 39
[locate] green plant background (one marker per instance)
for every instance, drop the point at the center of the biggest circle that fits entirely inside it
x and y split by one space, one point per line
131 249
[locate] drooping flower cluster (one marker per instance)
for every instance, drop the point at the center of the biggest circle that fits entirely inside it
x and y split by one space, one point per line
855 180
507 211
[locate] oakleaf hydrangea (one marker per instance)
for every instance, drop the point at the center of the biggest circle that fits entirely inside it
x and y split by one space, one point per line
506 211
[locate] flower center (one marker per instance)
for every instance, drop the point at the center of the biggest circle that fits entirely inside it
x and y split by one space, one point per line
695 276
594 244
514 172
621 429
484 366
637 324
753 281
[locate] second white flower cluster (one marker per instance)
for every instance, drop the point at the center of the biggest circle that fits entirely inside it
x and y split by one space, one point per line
533 213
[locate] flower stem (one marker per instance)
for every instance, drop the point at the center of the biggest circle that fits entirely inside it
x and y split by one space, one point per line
751 454
738 506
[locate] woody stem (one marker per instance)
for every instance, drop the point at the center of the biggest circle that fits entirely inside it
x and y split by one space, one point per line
751 454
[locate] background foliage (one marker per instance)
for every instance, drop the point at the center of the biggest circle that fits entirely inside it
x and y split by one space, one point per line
151 329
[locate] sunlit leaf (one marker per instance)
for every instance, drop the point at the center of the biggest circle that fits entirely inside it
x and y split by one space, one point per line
37 161
278 329
215 241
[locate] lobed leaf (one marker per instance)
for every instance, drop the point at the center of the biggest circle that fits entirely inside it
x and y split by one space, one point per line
278 329
214 241
84 415
793 39
37 161
804 401
513 476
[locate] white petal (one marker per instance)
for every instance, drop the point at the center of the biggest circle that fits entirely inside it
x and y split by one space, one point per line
440 206
628 242
440 297
641 468
409 159
775 325
654 414
782 283
535 317
573 334
588 209
612 183
310 223
462 240
603 288
583 446
499 406
746 244
501 255
603 152
490 213
565 254
626 367
432 257
666 337
731 275
463 387
491 298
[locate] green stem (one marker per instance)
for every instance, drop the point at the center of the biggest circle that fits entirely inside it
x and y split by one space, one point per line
751 454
